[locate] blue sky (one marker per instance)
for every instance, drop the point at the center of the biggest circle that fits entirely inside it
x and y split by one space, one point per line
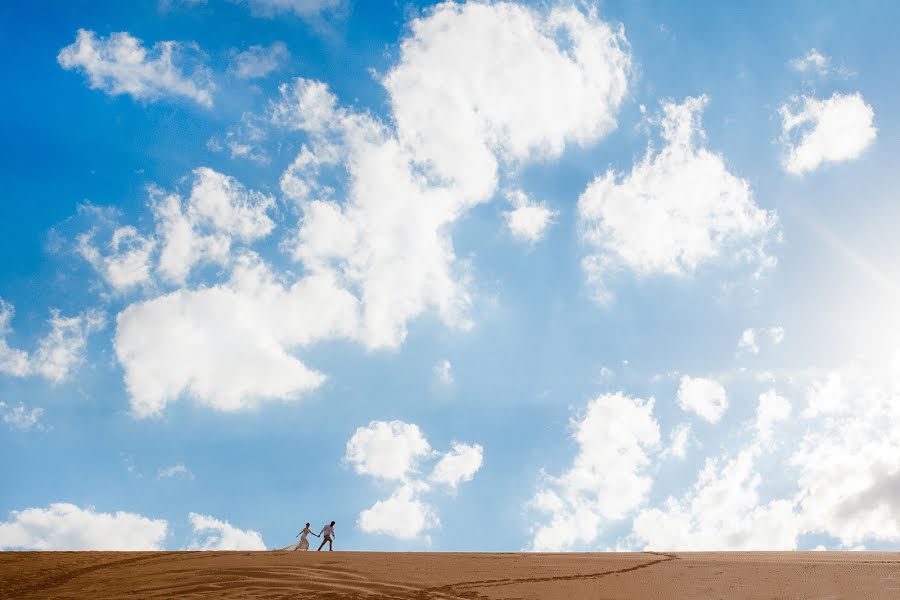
581 276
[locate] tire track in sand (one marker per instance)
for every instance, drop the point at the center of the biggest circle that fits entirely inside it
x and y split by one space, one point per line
65 577
486 583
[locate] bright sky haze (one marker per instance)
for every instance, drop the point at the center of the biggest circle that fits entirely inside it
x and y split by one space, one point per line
471 276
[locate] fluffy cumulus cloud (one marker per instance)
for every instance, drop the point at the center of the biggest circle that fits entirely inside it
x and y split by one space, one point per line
403 515
58 354
258 61
224 205
679 439
705 397
846 468
608 478
213 534
816 132
393 451
772 408
388 238
387 449
527 221
182 246
202 227
518 90
722 510
388 242
216 216
21 418
120 64
849 459
63 526
378 202
61 351
126 262
459 464
229 346
678 208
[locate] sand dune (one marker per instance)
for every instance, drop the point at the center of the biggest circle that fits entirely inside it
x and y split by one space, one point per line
448 576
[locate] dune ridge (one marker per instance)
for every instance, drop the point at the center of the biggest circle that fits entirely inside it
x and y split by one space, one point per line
448 576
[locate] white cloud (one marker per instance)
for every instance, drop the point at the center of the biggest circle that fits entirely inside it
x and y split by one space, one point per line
244 139
749 342
679 438
12 360
218 211
63 526
178 470
608 477
383 254
527 221
258 61
302 8
677 209
389 239
392 451
443 370
126 263
389 450
776 334
818 64
213 534
182 247
226 206
21 418
120 64
849 459
816 131
705 397
59 353
229 346
403 515
811 61
722 511
459 464
518 91
772 409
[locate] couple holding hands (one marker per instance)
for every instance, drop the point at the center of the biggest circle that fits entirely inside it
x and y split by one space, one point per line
327 531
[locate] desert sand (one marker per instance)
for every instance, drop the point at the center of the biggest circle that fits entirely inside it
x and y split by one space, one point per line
373 575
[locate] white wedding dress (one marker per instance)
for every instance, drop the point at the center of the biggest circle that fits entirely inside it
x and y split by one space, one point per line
303 544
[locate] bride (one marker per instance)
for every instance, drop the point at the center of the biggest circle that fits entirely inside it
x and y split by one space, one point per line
303 544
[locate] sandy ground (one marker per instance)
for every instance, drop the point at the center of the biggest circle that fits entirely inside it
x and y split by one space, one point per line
373 575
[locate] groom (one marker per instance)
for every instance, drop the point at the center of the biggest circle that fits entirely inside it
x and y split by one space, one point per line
328 535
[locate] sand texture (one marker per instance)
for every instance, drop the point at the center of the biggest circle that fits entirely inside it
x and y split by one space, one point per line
372 575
